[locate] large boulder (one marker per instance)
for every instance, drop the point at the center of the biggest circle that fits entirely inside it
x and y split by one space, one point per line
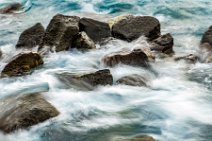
132 27
60 33
87 81
163 44
31 37
11 8
22 64
96 30
21 112
135 58
132 80
83 42
138 138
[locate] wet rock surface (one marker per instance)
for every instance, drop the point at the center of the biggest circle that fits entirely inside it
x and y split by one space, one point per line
60 33
135 58
86 81
31 37
132 27
11 8
21 112
132 80
191 58
96 30
22 64
138 138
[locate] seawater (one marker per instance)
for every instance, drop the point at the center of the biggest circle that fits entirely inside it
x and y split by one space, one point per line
176 107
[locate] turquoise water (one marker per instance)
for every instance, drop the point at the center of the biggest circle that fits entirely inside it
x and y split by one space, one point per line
177 106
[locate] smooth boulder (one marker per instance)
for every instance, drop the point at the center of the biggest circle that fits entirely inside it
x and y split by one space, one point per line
135 58
138 138
31 37
11 8
163 44
132 27
60 33
23 111
83 42
132 80
96 30
86 81
22 64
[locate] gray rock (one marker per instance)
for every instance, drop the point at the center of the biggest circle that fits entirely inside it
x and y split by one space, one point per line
11 8
131 28
96 30
22 64
138 138
60 33
207 38
191 58
132 80
21 112
83 42
31 37
135 58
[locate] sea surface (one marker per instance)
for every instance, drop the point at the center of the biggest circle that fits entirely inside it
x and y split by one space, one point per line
177 105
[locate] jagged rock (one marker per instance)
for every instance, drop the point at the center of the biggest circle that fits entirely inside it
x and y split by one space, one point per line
135 58
132 80
22 64
96 30
21 112
31 37
83 42
86 81
138 138
60 33
163 44
11 8
130 28
191 58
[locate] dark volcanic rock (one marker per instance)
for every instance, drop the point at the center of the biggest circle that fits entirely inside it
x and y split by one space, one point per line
31 37
21 112
135 58
83 42
22 64
11 8
96 30
132 80
131 28
163 44
138 138
191 58
60 33
86 81
207 38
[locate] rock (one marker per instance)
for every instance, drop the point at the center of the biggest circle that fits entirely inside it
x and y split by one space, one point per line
115 20
60 33
21 112
83 42
163 44
139 138
131 28
135 58
22 64
11 8
191 58
1 53
132 80
207 39
86 81
96 30
31 37
149 53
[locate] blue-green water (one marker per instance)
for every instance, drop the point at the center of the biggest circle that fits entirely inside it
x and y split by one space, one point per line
177 107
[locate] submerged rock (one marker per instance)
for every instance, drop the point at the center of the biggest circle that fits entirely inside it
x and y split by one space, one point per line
138 138
11 8
135 58
60 33
31 37
132 27
96 30
132 80
86 81
22 64
83 42
21 112
191 58
163 44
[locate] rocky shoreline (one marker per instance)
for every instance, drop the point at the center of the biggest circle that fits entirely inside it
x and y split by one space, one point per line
65 33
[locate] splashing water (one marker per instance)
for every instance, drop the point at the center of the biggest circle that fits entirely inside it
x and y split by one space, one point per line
177 106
